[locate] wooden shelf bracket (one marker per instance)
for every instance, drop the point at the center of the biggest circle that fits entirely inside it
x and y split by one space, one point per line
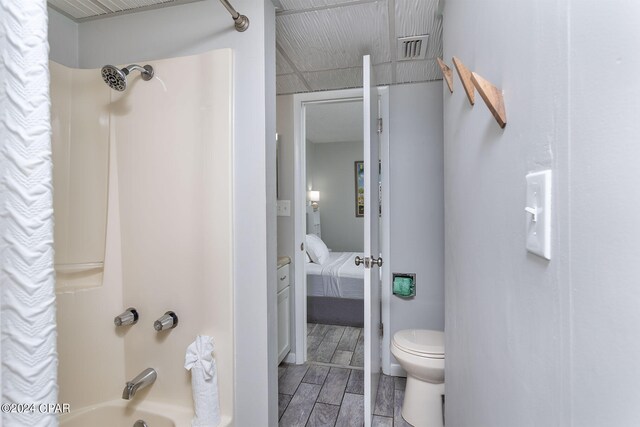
492 96
465 78
447 73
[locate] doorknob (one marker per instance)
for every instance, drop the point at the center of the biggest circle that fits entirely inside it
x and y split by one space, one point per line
377 262
368 262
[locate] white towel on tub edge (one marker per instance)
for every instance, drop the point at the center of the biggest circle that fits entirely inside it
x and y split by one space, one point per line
204 382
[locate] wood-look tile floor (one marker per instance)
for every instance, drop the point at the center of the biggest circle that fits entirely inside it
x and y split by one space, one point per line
329 389
335 345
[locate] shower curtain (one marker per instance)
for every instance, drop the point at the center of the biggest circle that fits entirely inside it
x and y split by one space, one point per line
27 294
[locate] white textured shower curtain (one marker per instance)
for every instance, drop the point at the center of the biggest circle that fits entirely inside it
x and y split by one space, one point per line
27 281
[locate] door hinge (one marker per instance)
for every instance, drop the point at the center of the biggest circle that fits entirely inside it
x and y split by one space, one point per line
380 125
381 329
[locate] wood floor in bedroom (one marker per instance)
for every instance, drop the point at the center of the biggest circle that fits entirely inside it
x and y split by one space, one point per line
337 345
329 389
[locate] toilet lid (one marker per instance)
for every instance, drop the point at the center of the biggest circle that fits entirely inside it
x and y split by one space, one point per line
420 341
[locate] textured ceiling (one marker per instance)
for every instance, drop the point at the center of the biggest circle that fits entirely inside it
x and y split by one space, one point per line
82 10
334 122
320 43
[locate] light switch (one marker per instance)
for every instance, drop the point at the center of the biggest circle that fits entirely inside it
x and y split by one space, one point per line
284 208
538 213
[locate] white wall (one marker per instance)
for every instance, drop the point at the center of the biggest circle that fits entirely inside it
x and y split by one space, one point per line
334 176
417 206
285 224
531 342
63 39
604 96
284 126
195 28
309 152
507 322
270 207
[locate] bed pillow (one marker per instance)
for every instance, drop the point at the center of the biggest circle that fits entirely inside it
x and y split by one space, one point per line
317 250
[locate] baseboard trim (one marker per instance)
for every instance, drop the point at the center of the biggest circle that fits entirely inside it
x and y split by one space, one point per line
290 358
395 370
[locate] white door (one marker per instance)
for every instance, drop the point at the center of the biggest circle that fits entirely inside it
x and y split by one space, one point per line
371 243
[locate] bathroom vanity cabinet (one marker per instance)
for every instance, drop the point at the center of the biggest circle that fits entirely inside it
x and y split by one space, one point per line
284 308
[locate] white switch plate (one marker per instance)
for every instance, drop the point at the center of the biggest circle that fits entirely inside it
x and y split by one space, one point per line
538 213
284 207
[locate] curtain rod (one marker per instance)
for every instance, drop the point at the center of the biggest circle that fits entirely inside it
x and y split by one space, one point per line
241 21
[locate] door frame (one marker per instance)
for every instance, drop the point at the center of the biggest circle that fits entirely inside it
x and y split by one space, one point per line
298 352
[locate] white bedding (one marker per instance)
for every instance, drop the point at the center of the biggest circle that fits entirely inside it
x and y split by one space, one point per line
338 277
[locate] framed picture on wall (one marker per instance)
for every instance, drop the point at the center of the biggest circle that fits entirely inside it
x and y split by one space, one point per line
359 176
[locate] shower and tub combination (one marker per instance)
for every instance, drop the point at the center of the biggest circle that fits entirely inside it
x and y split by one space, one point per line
142 205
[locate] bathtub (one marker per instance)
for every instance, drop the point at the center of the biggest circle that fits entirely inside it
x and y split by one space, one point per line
120 413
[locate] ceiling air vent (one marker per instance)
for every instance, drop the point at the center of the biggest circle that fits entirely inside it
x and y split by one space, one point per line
412 47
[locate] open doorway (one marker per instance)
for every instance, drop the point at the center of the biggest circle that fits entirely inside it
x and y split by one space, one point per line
328 344
334 217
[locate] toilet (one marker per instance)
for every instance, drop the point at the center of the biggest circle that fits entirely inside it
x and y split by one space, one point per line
420 352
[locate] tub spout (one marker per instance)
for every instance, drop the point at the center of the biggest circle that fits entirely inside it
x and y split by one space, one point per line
144 379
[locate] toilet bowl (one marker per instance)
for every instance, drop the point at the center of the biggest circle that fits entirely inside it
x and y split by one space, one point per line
420 352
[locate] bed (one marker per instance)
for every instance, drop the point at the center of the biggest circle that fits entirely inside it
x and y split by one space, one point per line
335 290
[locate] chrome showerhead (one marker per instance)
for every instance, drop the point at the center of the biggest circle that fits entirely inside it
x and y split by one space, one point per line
117 78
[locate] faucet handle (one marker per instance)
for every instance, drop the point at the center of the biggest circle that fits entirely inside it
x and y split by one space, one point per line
128 317
169 320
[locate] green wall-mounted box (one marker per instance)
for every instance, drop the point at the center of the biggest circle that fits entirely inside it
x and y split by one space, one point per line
404 285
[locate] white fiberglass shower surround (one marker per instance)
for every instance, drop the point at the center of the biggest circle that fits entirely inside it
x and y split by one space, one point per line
160 239
167 244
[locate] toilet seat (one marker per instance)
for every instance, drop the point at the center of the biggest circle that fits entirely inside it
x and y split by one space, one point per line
420 342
